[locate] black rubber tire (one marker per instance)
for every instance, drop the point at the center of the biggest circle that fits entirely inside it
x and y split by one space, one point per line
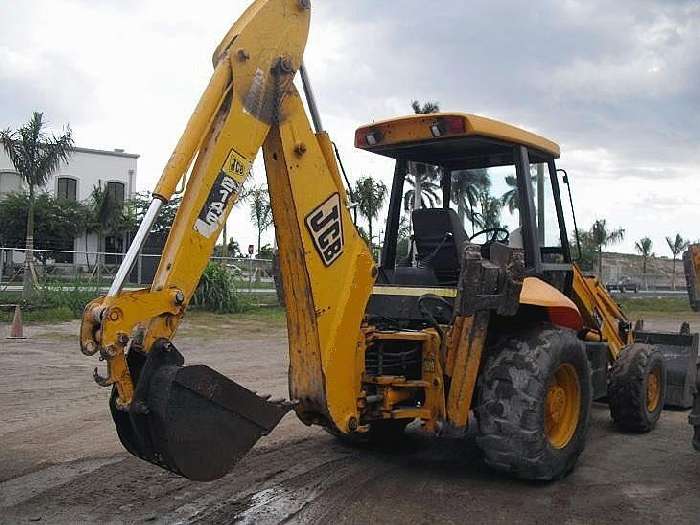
627 388
512 394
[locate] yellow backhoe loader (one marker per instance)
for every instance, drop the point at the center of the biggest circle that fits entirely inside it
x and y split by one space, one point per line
496 333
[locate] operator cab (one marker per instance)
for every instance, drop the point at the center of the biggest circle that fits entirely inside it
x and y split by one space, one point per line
482 182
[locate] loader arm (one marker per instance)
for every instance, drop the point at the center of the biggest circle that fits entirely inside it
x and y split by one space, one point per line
190 419
601 314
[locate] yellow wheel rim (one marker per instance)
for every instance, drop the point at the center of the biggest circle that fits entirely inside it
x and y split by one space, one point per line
563 406
654 389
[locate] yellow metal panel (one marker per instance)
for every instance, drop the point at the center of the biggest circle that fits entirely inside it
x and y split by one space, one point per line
562 310
414 128
468 351
227 130
338 283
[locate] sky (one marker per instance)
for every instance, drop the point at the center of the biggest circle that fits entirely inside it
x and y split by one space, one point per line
616 84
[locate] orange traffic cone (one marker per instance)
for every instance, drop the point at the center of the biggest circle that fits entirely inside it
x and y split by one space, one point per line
16 330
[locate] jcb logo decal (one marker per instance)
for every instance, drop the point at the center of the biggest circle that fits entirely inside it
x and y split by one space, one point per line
326 229
226 187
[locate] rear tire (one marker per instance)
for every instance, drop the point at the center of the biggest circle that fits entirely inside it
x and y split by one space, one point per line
534 403
636 388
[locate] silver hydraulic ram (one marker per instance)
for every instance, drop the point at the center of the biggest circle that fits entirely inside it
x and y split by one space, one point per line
310 99
135 248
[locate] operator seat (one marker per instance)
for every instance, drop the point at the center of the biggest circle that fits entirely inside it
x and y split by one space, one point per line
440 239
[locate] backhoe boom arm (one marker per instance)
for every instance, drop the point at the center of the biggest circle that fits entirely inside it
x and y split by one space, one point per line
250 104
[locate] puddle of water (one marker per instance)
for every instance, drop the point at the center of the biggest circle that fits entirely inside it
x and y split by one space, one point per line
273 505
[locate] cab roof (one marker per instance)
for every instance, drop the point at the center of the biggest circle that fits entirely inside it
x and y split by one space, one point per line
452 140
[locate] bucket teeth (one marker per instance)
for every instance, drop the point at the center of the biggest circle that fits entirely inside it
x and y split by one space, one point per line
100 380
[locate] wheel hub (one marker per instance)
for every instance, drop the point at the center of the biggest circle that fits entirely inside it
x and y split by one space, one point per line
653 390
563 406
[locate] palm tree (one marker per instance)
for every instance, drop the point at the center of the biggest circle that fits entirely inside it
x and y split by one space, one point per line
260 209
602 236
511 198
425 108
36 156
430 194
466 187
421 171
370 195
643 246
490 216
106 218
676 245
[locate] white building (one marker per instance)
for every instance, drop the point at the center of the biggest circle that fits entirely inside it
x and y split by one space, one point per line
75 179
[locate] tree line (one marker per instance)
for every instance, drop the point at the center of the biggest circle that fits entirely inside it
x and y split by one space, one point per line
47 225
50 223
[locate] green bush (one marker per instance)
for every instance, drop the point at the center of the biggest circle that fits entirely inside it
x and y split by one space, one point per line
217 292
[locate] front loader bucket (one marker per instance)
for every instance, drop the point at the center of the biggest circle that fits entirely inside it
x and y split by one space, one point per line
680 352
191 419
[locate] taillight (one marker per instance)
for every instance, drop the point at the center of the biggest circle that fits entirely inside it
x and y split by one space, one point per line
367 137
448 126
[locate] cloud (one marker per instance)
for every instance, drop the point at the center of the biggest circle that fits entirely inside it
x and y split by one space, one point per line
614 82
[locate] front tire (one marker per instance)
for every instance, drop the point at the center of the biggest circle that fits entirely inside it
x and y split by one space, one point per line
636 388
534 404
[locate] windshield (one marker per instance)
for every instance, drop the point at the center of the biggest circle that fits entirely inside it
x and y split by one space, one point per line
482 198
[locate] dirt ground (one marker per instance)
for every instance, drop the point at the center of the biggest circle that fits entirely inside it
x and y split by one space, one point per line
61 462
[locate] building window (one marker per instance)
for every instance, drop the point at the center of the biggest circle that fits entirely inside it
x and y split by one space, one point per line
117 191
67 188
10 182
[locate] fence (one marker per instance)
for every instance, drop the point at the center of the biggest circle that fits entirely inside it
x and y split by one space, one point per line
254 275
653 281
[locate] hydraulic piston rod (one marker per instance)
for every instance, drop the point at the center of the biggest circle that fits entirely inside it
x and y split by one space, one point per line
135 248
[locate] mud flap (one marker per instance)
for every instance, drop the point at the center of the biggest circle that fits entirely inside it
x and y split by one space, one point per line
190 420
680 352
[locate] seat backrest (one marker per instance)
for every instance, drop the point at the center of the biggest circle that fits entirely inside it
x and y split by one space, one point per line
440 238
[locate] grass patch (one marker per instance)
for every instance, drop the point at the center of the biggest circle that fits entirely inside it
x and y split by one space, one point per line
50 304
275 315
661 305
53 314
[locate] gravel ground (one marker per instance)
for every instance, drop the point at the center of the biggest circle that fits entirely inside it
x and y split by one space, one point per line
61 462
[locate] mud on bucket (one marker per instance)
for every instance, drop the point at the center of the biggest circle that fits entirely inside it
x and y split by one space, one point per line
191 420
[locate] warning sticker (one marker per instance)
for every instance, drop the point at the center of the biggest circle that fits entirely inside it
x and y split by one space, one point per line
228 184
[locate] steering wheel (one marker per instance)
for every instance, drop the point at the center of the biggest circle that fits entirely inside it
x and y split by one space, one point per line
504 235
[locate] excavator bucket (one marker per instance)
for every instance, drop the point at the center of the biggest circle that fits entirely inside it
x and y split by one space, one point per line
680 352
190 419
